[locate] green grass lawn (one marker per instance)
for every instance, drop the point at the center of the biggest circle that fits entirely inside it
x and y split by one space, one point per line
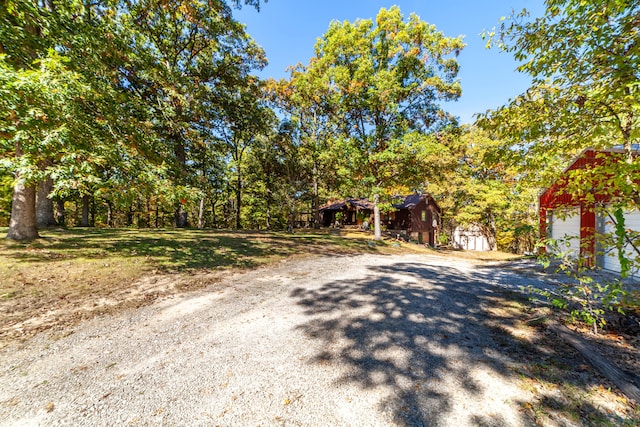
179 250
73 270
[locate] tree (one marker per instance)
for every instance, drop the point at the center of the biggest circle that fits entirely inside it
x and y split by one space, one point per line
388 80
23 26
44 204
278 184
245 119
312 124
476 188
60 101
41 104
584 58
135 78
186 61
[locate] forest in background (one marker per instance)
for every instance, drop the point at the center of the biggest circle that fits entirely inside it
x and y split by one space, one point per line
147 113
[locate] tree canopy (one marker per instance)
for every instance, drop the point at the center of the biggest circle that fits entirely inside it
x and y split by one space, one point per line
91 89
584 59
386 80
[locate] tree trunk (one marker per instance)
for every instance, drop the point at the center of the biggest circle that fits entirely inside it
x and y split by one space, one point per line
60 213
214 224
130 216
180 152
147 213
238 198
377 230
109 213
268 224
84 221
44 205
491 232
92 212
201 214
316 197
625 381
181 216
139 220
23 225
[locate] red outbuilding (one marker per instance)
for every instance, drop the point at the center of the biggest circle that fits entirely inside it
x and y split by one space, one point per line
573 209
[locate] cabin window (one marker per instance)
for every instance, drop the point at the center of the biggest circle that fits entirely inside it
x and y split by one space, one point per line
424 216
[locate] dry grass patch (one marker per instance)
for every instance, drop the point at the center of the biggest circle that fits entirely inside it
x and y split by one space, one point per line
482 256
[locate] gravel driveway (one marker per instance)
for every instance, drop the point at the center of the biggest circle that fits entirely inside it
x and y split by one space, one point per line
362 340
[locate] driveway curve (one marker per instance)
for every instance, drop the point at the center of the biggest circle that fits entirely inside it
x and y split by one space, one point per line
365 340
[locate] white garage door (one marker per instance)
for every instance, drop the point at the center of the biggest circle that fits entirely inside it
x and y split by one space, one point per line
565 229
631 222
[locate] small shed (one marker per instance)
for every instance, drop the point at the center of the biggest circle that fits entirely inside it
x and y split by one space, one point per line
579 221
471 238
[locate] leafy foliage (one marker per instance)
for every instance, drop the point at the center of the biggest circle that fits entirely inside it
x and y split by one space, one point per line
583 57
478 189
386 81
115 94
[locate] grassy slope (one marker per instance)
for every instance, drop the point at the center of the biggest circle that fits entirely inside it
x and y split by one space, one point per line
77 273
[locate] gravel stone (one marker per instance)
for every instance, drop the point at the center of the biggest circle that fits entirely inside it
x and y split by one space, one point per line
367 340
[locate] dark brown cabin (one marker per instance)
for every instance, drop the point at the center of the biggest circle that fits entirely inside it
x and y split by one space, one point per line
349 212
417 216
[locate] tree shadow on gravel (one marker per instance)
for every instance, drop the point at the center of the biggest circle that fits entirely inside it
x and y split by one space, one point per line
411 328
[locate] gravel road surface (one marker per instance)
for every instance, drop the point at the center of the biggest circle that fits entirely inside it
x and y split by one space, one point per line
366 340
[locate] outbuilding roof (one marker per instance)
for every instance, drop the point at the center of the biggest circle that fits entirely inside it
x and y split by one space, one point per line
410 201
339 205
404 202
558 194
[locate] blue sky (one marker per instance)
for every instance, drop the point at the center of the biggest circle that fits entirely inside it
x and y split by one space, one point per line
288 29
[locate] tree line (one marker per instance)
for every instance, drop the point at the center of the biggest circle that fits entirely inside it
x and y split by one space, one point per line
118 104
147 113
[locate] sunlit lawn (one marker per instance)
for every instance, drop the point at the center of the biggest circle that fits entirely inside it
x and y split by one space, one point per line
79 267
83 271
